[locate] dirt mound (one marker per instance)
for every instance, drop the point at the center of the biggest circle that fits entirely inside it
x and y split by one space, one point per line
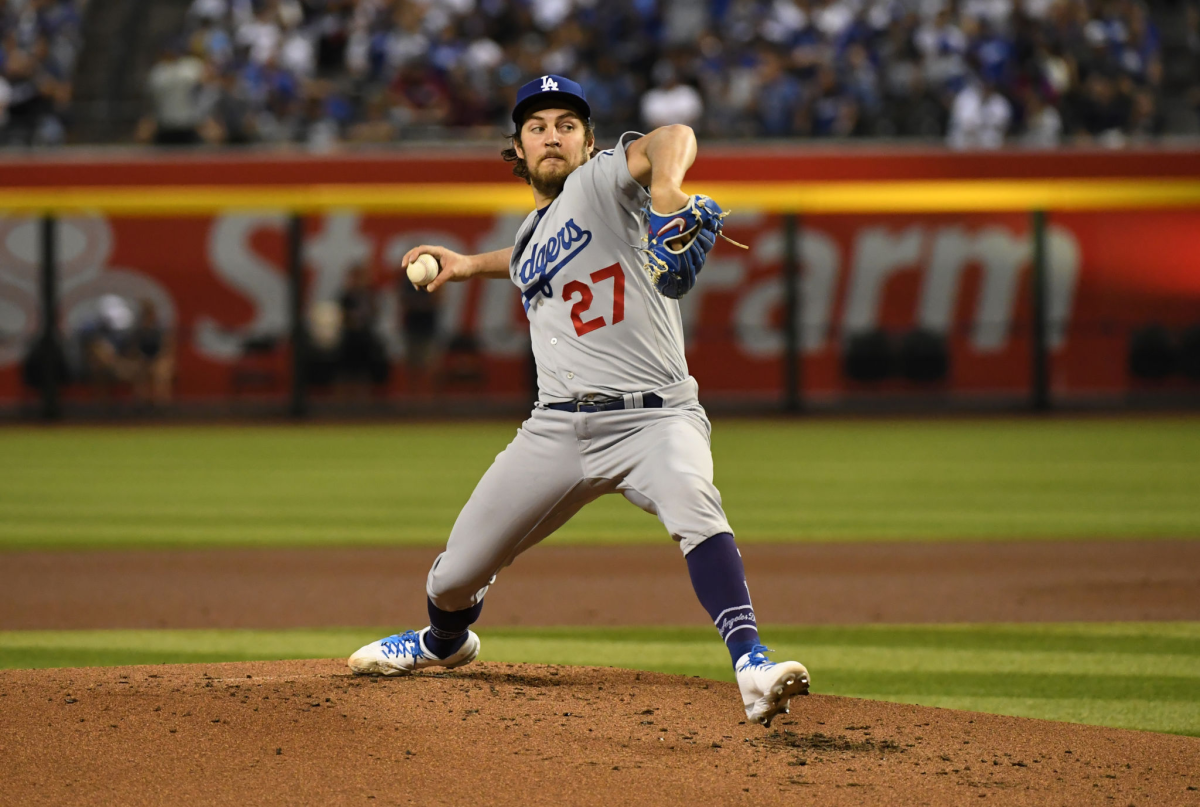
306 732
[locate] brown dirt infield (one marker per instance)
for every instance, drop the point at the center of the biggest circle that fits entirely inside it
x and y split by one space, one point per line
616 585
306 732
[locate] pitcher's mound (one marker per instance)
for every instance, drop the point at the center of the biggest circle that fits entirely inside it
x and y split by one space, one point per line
307 732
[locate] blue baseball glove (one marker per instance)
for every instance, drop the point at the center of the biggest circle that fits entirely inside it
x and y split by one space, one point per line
677 244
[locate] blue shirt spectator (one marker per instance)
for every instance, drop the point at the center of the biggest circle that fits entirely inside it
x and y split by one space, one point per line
779 100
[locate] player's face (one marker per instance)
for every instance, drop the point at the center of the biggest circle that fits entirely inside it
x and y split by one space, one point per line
554 143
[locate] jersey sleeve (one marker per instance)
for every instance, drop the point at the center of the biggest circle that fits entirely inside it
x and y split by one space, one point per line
616 189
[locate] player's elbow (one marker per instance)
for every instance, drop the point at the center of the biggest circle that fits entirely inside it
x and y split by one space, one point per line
672 146
676 133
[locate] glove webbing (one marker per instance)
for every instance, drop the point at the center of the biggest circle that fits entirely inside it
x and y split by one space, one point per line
655 265
697 201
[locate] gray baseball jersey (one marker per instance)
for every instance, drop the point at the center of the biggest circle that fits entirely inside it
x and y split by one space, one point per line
600 330
598 325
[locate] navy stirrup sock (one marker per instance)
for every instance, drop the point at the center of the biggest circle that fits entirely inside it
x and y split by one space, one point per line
719 579
448 629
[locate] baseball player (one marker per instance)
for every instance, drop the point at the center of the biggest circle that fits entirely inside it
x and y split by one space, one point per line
600 271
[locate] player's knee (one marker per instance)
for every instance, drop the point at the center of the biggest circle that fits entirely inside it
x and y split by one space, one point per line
696 534
455 589
455 597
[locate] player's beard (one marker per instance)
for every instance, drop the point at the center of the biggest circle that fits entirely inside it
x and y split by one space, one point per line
548 180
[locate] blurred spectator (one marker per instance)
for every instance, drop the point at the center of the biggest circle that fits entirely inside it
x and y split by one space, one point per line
360 352
150 359
296 52
332 31
320 121
860 81
1192 64
375 127
1103 112
105 342
780 98
943 47
1145 119
420 96
30 97
1138 47
992 53
908 108
1043 124
174 85
979 118
418 310
611 92
1054 71
39 46
212 43
671 101
684 21
232 114
324 338
260 35
832 111
208 10
809 48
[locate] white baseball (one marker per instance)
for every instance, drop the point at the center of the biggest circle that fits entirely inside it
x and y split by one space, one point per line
423 270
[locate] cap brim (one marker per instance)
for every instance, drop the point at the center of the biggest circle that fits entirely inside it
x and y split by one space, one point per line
551 100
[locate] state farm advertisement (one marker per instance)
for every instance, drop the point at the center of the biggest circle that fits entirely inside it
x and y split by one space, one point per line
219 284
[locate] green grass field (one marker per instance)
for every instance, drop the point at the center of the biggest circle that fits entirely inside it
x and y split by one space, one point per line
1131 675
781 481
811 480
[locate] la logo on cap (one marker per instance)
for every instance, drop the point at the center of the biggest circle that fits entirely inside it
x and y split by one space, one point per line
548 84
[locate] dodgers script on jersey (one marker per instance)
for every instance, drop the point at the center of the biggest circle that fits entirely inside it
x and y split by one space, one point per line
598 325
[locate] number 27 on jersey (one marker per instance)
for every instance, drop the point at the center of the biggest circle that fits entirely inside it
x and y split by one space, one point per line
578 287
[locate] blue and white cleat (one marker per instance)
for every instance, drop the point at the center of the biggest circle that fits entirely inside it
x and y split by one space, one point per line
767 686
406 653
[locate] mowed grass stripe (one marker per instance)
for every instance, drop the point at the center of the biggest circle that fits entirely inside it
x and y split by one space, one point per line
1173 717
1132 675
1045 685
780 480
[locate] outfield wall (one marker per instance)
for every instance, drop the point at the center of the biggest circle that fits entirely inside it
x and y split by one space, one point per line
219 279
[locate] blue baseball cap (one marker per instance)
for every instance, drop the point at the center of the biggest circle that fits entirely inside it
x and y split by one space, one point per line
550 91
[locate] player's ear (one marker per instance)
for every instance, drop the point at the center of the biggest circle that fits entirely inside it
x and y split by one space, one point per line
516 141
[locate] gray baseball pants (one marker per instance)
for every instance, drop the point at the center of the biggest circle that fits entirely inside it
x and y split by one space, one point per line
659 459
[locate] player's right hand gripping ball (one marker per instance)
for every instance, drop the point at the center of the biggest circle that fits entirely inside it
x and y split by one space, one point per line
423 269
678 243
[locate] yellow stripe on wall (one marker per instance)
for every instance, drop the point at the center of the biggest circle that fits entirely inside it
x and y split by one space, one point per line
957 196
945 196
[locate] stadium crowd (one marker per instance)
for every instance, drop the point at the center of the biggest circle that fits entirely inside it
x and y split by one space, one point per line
975 72
39 45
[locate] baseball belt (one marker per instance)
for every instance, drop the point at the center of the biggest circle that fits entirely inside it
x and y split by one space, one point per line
633 400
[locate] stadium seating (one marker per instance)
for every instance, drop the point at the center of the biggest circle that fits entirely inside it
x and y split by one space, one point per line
976 74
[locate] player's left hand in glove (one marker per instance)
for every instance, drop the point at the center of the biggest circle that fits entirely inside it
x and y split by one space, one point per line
678 243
